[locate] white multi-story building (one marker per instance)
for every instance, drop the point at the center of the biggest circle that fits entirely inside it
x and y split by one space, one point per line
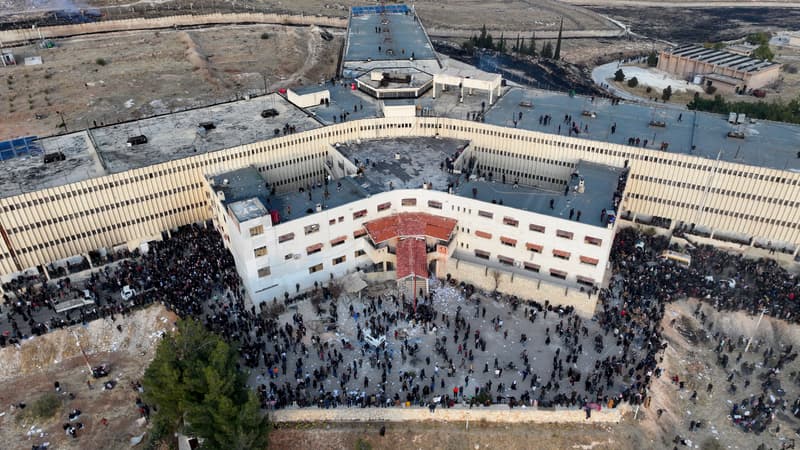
402 214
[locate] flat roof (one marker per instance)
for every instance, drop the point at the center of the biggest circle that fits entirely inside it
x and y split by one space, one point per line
296 204
400 36
31 173
420 161
766 144
600 183
176 136
244 190
309 89
356 104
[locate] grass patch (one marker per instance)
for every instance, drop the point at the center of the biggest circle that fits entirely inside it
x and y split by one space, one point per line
43 408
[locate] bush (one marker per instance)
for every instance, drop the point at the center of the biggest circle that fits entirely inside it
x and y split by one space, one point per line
633 82
42 408
710 90
619 75
666 94
652 59
265 36
649 89
363 445
101 61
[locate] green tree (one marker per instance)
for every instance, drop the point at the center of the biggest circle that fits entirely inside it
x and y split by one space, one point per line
516 45
482 38
763 52
619 75
547 50
759 38
652 59
194 382
532 46
557 52
633 82
666 94
501 45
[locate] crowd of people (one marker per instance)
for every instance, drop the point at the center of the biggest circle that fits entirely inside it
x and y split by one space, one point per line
454 345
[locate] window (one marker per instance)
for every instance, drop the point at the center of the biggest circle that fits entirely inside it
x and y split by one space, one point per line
531 267
481 254
585 280
359 214
316 268
341 219
486 214
286 237
561 254
560 274
332 222
384 206
409 202
360 253
483 234
510 222
564 234
338 241
434 204
536 228
260 251
593 241
358 233
264 272
288 256
339 260
316 248
505 260
257 230
589 261
508 241
536 248
313 228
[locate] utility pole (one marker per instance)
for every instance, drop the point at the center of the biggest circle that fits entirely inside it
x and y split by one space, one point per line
750 341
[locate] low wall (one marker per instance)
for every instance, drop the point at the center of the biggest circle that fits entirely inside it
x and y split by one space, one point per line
492 414
29 34
522 286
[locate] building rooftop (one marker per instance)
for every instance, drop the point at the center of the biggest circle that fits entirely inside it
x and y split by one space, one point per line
600 183
309 89
31 173
766 144
410 224
179 135
403 163
356 104
721 58
412 258
400 35
244 190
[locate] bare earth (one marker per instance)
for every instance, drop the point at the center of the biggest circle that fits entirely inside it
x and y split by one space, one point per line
147 73
30 372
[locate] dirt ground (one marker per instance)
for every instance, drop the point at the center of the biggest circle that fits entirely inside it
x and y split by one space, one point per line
145 72
594 52
456 436
29 372
693 359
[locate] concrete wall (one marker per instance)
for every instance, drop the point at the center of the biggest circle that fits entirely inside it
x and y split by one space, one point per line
492 414
28 34
525 287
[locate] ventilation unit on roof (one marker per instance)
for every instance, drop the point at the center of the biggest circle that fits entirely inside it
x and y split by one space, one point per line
137 140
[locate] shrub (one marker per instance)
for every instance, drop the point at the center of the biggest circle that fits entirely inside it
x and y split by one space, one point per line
633 82
265 36
649 89
710 90
619 75
101 61
43 407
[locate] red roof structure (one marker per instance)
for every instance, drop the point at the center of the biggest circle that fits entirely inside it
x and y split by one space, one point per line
412 258
410 224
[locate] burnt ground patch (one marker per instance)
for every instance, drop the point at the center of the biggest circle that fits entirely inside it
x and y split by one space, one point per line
685 25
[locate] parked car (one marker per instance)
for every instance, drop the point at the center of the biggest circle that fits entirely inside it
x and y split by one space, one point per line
127 292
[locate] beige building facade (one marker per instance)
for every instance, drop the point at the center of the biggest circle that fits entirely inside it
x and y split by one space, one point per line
135 206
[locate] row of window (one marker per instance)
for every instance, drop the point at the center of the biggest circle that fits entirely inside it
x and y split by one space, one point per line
531 267
85 234
728 192
722 212
533 227
109 207
560 254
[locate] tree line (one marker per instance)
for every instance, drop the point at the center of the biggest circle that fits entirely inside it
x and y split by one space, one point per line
521 45
776 110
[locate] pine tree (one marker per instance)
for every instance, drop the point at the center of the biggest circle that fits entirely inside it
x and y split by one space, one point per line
482 38
517 48
501 46
557 53
194 382
547 50
532 47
